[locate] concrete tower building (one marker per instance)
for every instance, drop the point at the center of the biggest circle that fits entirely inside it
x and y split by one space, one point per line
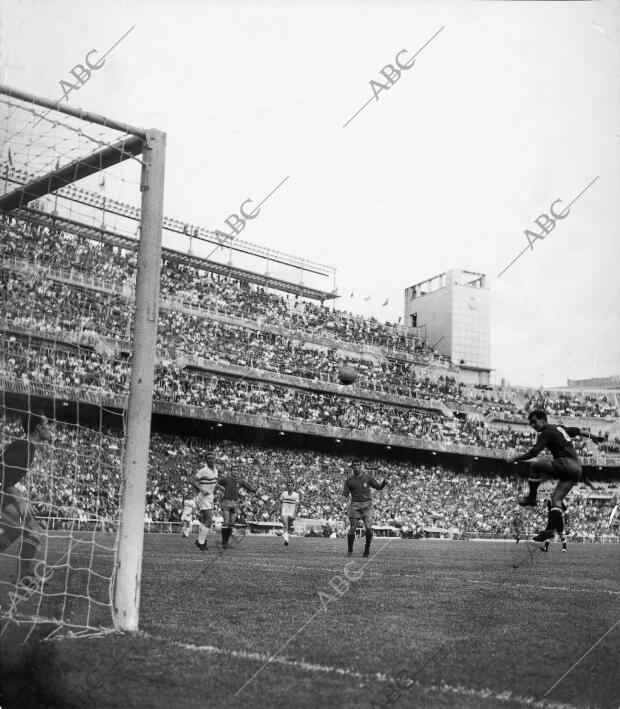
454 307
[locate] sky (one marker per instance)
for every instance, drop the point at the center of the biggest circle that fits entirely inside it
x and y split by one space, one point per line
509 107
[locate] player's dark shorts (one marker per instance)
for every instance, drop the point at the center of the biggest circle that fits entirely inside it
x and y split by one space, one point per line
564 469
206 517
361 510
229 505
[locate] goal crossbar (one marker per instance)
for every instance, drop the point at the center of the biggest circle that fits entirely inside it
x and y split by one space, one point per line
70 111
76 170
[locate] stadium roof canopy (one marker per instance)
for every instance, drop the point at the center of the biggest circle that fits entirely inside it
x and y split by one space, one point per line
131 244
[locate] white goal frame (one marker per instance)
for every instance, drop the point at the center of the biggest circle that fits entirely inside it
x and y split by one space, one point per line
151 144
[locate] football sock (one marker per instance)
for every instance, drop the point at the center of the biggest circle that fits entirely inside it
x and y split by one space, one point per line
202 534
350 540
286 536
368 540
224 537
555 520
228 533
534 483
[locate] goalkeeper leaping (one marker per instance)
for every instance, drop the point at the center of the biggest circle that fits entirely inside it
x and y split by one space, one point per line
565 467
16 518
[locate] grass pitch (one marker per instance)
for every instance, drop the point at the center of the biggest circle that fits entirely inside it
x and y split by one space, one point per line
421 623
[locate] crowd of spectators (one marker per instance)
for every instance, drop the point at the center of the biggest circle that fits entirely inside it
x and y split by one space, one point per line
571 404
49 306
59 249
47 247
88 371
78 477
272 352
52 308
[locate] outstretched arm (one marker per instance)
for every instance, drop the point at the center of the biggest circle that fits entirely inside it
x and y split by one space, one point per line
533 451
248 487
588 434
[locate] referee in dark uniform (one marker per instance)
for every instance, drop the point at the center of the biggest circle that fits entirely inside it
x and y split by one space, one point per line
358 487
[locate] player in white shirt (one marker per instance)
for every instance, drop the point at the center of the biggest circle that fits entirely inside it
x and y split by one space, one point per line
290 506
205 482
189 506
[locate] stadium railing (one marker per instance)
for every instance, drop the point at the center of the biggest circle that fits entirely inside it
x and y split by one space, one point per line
67 276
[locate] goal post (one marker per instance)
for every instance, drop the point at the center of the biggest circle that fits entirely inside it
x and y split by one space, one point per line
131 532
47 252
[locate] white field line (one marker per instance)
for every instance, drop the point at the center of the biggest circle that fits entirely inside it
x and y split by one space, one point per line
315 668
569 589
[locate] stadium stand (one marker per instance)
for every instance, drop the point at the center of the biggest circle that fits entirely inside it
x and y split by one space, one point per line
212 320
419 497
290 351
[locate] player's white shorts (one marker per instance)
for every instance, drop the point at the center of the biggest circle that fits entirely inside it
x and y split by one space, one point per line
203 502
288 511
188 510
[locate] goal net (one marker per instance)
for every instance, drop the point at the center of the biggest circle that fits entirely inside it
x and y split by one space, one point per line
79 288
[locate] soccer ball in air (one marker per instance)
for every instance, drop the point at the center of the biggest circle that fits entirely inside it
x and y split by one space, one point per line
347 375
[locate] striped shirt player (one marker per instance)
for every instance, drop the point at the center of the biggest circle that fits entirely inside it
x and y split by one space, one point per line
205 482
290 505
187 516
16 518
231 484
564 466
358 486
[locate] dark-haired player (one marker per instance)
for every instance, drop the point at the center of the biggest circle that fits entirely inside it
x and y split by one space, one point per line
565 467
230 502
16 519
358 487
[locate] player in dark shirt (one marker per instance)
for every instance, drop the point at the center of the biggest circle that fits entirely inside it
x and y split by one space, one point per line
16 519
358 487
230 502
545 545
565 467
